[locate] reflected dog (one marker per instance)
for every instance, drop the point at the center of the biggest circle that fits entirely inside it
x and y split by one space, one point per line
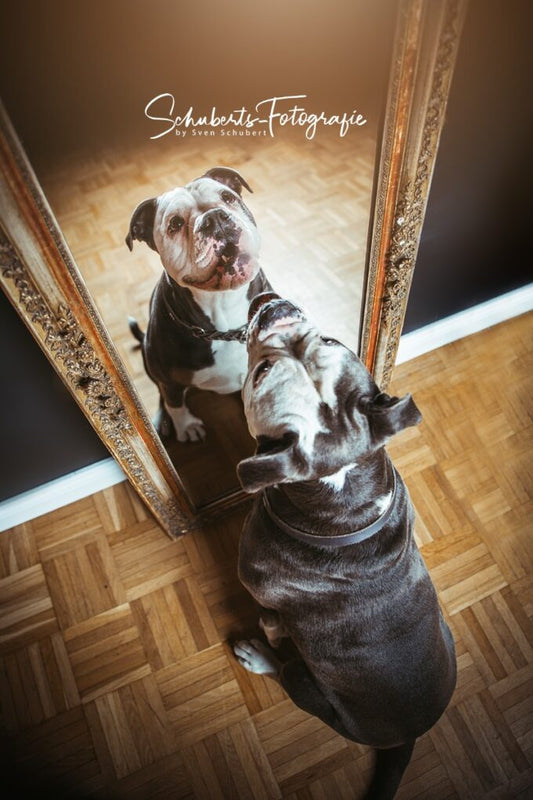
328 549
208 243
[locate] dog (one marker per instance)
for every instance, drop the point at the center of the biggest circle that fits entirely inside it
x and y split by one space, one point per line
208 243
328 550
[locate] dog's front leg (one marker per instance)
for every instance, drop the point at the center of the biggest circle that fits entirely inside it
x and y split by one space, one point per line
173 411
293 675
272 626
163 423
257 657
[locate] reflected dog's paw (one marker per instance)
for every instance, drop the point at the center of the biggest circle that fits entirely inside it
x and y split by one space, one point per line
188 428
194 431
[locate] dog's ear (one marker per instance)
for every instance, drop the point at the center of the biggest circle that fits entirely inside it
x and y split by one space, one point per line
389 415
142 224
275 461
229 177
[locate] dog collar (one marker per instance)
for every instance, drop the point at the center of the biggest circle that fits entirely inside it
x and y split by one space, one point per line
233 335
342 540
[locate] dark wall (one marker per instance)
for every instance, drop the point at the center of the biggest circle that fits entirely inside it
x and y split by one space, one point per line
476 240
43 433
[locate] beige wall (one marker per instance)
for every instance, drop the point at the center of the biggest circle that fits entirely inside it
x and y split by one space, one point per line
77 72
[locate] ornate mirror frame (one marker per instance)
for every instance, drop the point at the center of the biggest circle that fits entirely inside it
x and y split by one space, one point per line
41 279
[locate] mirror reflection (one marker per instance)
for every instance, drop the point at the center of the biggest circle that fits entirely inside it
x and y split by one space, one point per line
208 243
196 156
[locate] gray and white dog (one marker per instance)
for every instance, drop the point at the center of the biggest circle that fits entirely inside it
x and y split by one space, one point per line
208 243
328 549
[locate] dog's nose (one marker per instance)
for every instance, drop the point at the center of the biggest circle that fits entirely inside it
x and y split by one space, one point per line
260 300
214 221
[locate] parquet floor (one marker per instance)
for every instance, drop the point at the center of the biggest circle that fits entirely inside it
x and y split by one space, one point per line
117 679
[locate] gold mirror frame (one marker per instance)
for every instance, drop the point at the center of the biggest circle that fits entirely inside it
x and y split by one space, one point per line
41 279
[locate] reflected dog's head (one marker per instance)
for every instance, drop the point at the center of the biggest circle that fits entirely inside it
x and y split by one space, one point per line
205 235
310 402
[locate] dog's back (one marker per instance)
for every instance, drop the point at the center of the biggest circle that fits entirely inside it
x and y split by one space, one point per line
366 622
328 549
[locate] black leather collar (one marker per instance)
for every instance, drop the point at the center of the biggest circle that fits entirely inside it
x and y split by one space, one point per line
342 540
232 335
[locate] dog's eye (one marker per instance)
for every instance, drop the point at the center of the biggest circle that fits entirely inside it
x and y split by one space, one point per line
229 197
328 340
175 224
261 370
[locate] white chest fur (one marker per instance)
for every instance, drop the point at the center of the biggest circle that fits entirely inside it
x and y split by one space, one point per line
228 372
226 310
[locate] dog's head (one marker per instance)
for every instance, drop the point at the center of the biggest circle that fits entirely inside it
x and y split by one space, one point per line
205 235
310 403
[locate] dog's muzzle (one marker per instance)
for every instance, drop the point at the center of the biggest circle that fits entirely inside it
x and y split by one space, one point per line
218 224
269 309
259 301
220 260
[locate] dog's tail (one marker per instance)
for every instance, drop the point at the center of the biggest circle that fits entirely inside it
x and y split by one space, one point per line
136 331
388 771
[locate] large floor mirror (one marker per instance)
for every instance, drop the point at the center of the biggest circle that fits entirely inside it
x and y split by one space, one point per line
338 201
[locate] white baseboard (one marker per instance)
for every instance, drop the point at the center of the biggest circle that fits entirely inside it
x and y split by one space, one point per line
465 323
103 474
59 492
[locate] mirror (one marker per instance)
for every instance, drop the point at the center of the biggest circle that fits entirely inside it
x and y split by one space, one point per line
356 157
309 161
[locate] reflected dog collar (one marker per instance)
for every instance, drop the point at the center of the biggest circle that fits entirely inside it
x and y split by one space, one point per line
233 335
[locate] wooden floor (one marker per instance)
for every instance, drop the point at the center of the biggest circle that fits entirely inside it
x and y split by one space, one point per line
117 680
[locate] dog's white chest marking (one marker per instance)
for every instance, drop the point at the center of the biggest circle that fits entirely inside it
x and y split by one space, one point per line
336 481
228 372
227 311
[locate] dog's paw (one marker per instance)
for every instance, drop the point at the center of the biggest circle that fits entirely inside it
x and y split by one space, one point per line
194 431
256 657
188 427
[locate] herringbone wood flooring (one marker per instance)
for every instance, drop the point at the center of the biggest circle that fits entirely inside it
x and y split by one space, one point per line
117 678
